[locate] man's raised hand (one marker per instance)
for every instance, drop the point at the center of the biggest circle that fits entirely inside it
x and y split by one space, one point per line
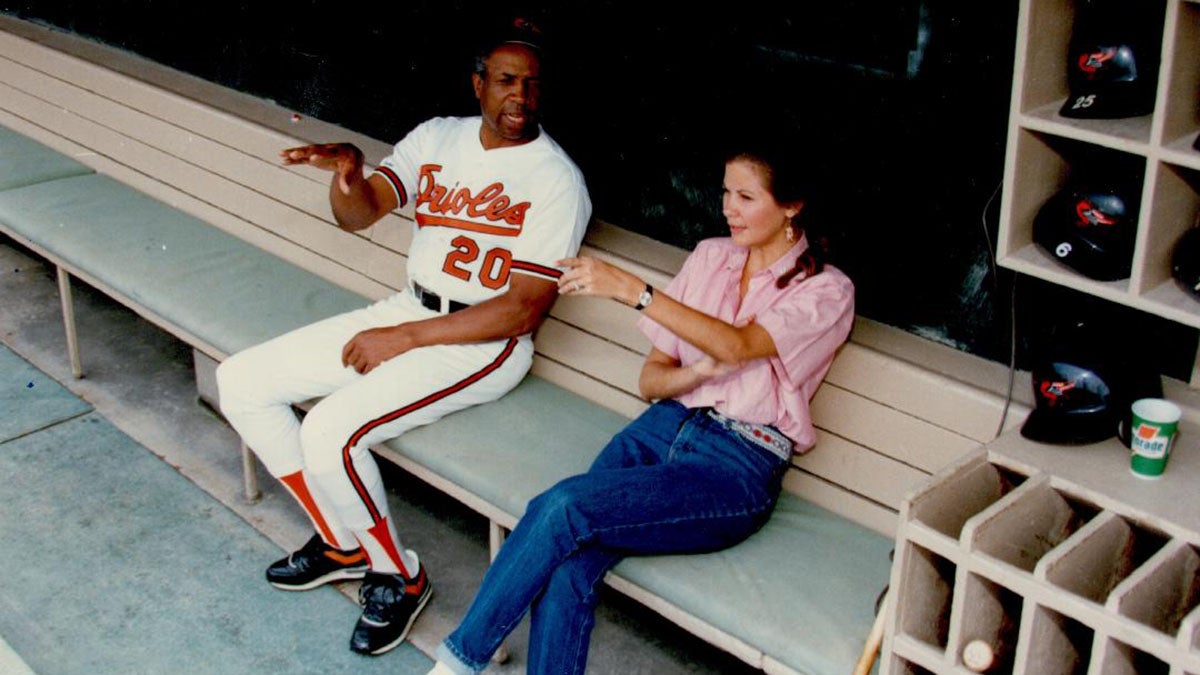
344 159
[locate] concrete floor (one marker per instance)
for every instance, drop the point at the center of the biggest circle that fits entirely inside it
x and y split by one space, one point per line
141 379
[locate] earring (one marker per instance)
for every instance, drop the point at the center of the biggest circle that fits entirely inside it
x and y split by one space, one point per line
790 233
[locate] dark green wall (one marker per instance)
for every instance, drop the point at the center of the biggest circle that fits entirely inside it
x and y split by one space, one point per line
902 103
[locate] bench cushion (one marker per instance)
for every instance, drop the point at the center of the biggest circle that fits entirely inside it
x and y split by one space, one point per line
24 161
509 451
227 292
803 589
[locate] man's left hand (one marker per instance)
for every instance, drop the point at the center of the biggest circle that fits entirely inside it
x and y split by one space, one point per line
365 351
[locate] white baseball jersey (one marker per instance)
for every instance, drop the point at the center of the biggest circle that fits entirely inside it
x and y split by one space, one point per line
482 215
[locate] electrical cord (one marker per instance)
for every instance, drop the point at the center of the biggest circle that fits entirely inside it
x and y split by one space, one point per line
1012 308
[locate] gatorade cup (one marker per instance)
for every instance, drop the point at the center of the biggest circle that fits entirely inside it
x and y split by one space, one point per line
1155 422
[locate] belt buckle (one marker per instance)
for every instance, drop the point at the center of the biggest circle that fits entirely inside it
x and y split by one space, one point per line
432 301
427 298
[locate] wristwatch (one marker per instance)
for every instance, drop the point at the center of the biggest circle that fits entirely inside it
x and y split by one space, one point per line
646 297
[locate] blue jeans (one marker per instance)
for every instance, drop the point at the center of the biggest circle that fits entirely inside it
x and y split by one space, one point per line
673 481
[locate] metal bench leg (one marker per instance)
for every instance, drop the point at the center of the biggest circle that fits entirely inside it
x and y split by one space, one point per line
496 535
68 312
250 475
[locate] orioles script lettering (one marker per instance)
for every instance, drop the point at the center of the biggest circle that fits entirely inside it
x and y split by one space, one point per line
490 203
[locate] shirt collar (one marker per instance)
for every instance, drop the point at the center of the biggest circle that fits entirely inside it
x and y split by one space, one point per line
779 267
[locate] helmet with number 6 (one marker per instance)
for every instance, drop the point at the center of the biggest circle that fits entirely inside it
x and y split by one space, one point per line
1089 229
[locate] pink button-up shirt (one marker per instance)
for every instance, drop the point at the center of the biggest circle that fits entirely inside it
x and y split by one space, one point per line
807 321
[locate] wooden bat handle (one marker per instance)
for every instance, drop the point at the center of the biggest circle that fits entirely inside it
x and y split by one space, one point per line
874 640
979 656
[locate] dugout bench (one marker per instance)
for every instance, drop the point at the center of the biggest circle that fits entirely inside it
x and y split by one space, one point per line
166 194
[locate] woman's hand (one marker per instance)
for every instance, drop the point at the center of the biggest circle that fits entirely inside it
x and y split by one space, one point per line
728 345
589 276
663 377
708 368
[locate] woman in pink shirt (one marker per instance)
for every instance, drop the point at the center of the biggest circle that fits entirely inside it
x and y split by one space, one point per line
741 339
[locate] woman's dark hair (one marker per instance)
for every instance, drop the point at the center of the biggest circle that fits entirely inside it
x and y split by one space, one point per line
790 181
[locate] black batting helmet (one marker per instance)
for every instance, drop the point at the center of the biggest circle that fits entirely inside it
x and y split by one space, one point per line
1185 261
1112 61
1090 229
1083 386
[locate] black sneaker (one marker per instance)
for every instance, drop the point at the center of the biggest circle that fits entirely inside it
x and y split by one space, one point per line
390 606
314 564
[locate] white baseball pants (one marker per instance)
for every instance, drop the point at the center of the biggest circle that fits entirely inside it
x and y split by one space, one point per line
327 454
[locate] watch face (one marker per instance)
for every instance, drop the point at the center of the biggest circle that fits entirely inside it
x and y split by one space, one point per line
645 298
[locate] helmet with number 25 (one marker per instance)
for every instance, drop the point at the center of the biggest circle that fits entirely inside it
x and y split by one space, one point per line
1111 67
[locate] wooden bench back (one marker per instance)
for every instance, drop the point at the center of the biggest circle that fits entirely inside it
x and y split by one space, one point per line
886 421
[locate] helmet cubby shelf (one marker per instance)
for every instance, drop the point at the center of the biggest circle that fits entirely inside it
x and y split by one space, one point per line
1047 148
1059 644
1025 525
927 620
1105 553
1049 559
1027 558
1128 135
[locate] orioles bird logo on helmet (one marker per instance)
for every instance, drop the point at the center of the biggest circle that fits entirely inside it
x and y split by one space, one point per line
1091 62
1052 390
1090 214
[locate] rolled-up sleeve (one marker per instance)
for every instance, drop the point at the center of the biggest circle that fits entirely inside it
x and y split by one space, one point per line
808 326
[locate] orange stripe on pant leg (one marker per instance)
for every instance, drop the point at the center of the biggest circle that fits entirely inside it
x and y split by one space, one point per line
383 535
348 460
296 483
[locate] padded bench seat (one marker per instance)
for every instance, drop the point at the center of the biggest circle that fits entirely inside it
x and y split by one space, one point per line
227 293
801 591
24 161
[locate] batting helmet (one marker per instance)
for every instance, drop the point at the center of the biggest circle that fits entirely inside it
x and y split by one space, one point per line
1084 380
1078 403
1112 66
1185 261
1090 229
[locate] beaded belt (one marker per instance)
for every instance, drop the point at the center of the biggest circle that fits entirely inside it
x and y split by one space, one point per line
764 436
437 303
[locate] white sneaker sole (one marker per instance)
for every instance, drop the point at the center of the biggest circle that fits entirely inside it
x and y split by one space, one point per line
404 634
337 575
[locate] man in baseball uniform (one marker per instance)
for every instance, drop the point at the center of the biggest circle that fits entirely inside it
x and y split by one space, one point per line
497 202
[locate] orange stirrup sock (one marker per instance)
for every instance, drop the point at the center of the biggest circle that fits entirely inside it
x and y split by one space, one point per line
384 551
298 486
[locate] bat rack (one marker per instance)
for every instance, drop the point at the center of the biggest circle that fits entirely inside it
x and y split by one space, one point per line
1047 560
